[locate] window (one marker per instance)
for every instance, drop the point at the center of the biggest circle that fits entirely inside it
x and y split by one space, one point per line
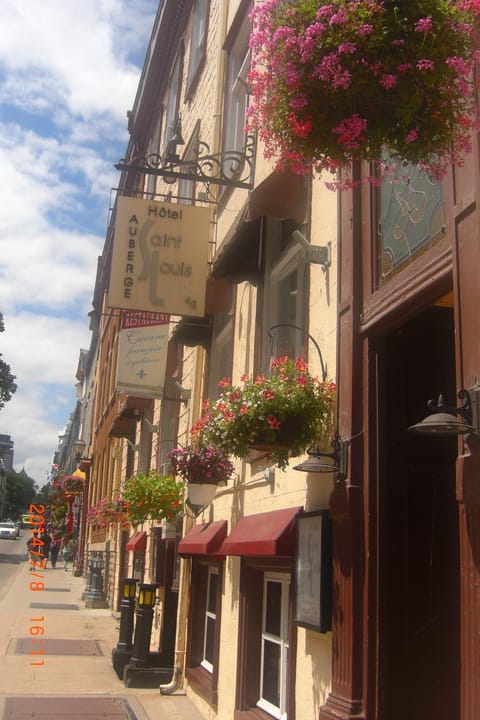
221 349
236 87
284 293
210 620
204 628
274 645
186 188
198 42
267 639
410 218
173 100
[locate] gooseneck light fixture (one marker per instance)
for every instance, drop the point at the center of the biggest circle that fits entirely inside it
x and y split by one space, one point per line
443 419
323 462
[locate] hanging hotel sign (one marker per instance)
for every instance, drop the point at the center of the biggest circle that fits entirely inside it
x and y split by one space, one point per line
142 353
160 257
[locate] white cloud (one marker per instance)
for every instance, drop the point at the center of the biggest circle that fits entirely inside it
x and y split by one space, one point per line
68 75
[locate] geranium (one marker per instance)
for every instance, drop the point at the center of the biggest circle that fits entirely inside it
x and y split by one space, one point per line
337 81
289 409
108 512
202 464
152 496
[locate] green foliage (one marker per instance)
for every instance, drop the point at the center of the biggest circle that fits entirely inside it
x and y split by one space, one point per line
7 381
152 496
20 492
290 410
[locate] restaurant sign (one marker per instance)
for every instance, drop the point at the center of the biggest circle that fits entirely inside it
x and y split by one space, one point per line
142 354
160 257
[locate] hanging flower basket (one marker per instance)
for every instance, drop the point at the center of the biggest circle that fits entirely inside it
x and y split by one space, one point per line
339 81
152 496
72 484
201 465
108 512
281 414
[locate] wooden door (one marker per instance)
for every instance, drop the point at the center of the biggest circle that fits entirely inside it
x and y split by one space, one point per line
418 551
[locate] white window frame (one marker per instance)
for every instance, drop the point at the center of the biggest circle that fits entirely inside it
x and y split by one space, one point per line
282 640
236 90
171 110
209 615
277 270
198 39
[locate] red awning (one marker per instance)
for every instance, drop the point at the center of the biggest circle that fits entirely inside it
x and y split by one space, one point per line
138 542
204 539
269 533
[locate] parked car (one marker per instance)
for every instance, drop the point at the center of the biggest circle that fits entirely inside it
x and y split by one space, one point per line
8 530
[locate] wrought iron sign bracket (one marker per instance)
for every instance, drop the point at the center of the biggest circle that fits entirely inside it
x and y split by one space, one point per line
228 168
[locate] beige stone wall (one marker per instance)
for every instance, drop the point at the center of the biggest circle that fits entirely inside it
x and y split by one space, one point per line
257 487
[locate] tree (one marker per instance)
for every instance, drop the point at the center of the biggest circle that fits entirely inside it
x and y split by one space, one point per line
7 381
21 490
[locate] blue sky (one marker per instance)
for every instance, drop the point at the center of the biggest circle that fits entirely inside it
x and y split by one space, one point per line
69 71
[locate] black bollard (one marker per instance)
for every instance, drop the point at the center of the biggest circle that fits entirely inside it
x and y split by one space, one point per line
94 596
127 611
123 652
143 626
141 671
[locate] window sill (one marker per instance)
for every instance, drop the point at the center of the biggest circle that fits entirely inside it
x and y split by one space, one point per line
254 713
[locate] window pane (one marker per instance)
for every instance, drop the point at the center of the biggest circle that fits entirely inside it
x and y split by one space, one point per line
271 673
273 608
212 594
209 639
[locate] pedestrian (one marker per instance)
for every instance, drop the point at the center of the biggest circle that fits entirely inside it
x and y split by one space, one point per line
54 550
34 546
45 548
67 547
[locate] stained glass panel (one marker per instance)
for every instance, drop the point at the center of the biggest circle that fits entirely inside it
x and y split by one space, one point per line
410 218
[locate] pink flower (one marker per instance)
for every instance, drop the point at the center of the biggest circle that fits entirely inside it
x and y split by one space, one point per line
365 30
268 395
425 64
388 81
412 136
424 24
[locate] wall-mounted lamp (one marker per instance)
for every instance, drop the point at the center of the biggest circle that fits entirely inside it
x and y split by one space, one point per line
314 254
78 446
175 140
322 462
443 420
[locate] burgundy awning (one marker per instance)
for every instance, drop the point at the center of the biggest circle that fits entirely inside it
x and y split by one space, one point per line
204 539
138 542
268 534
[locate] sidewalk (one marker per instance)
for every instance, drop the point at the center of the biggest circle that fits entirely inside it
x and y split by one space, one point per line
77 659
